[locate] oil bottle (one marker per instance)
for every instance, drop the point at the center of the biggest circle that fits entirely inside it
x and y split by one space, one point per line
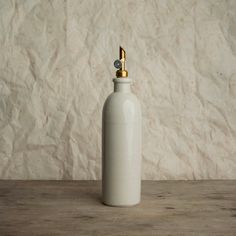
121 142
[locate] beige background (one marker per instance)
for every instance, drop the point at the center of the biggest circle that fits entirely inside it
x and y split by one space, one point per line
56 66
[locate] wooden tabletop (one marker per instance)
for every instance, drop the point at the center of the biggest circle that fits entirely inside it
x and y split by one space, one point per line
74 208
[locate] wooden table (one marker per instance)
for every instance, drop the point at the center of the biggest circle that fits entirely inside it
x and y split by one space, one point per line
74 208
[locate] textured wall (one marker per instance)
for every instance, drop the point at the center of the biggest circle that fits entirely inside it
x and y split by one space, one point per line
56 65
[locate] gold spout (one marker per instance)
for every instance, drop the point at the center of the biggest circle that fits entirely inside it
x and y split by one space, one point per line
122 54
122 72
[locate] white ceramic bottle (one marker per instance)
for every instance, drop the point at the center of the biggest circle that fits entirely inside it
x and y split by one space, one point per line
121 142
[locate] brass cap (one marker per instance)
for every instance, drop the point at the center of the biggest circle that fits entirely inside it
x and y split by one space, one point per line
121 73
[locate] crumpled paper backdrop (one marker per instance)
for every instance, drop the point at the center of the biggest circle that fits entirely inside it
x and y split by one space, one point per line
56 66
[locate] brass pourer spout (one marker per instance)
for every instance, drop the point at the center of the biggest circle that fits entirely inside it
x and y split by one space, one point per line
122 54
120 64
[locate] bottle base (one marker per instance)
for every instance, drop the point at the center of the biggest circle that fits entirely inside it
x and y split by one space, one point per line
120 205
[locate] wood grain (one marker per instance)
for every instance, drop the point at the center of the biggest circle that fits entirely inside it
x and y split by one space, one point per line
74 208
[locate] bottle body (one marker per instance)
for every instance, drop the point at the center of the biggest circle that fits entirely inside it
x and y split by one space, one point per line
121 147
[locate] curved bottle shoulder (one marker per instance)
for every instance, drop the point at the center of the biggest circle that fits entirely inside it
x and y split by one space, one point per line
121 107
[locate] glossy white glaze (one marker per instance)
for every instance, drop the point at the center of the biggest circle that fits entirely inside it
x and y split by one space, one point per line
121 149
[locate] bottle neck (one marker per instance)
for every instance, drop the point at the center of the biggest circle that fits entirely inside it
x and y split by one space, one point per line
122 85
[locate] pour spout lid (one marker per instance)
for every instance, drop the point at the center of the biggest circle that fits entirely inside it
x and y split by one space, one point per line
120 65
